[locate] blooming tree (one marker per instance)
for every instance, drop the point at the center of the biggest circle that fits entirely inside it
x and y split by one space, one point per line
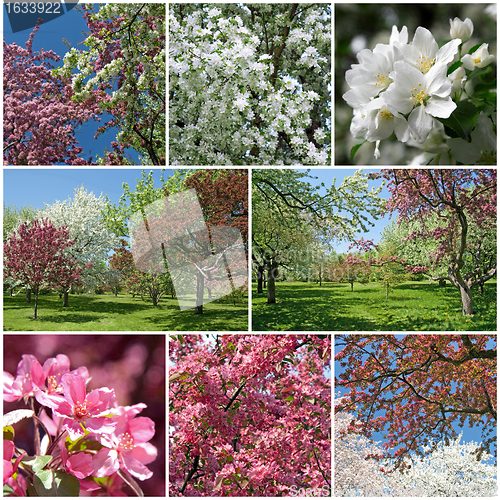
460 199
126 63
89 443
358 471
250 415
91 237
414 387
450 469
249 84
39 115
222 199
35 256
439 98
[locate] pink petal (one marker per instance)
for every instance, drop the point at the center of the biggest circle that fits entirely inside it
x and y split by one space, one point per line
74 428
8 450
142 429
100 425
74 388
80 465
7 470
105 462
134 466
144 452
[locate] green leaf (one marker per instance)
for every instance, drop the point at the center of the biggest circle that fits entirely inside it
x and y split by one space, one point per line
8 433
48 483
15 416
354 149
479 72
289 398
473 49
38 463
462 120
454 67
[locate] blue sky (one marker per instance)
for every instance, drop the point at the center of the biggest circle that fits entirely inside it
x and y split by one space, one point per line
469 433
50 37
327 175
38 186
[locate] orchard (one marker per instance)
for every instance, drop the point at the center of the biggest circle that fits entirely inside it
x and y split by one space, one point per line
140 262
432 267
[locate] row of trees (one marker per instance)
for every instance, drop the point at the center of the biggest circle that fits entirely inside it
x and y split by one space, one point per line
44 105
74 238
445 228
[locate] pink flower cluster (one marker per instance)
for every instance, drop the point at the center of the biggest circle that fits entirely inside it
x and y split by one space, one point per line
88 435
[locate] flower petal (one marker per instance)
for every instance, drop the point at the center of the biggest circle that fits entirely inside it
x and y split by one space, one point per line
142 429
420 123
105 462
440 108
74 388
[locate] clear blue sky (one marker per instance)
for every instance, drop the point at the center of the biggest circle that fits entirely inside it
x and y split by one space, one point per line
469 433
50 37
37 186
327 175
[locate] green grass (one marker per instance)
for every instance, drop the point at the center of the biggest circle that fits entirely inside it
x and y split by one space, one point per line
122 313
411 306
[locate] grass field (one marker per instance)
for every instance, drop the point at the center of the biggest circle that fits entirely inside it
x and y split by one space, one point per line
122 313
333 307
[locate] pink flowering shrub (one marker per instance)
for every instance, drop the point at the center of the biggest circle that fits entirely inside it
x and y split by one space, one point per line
250 415
84 441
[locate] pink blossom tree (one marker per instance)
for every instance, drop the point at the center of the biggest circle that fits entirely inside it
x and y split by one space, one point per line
414 388
461 199
40 116
34 256
250 415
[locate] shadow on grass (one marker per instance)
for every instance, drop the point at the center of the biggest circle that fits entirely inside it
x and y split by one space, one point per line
411 306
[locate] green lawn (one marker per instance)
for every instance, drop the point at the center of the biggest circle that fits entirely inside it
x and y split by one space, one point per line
122 313
333 307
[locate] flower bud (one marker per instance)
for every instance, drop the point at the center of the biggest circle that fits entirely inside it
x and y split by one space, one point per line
457 78
478 59
461 29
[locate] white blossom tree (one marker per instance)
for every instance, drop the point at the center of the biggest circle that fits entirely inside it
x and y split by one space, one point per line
443 469
249 84
450 470
93 240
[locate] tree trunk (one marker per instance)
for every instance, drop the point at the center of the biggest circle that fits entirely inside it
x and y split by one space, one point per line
28 296
36 306
260 279
387 292
480 288
200 285
65 299
352 286
272 274
442 282
467 307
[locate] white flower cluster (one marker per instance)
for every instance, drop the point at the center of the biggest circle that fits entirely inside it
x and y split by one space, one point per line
401 87
226 106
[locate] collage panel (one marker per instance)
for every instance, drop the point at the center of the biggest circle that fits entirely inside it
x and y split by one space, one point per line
250 415
374 250
125 250
84 83
84 415
415 415
415 83
250 83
